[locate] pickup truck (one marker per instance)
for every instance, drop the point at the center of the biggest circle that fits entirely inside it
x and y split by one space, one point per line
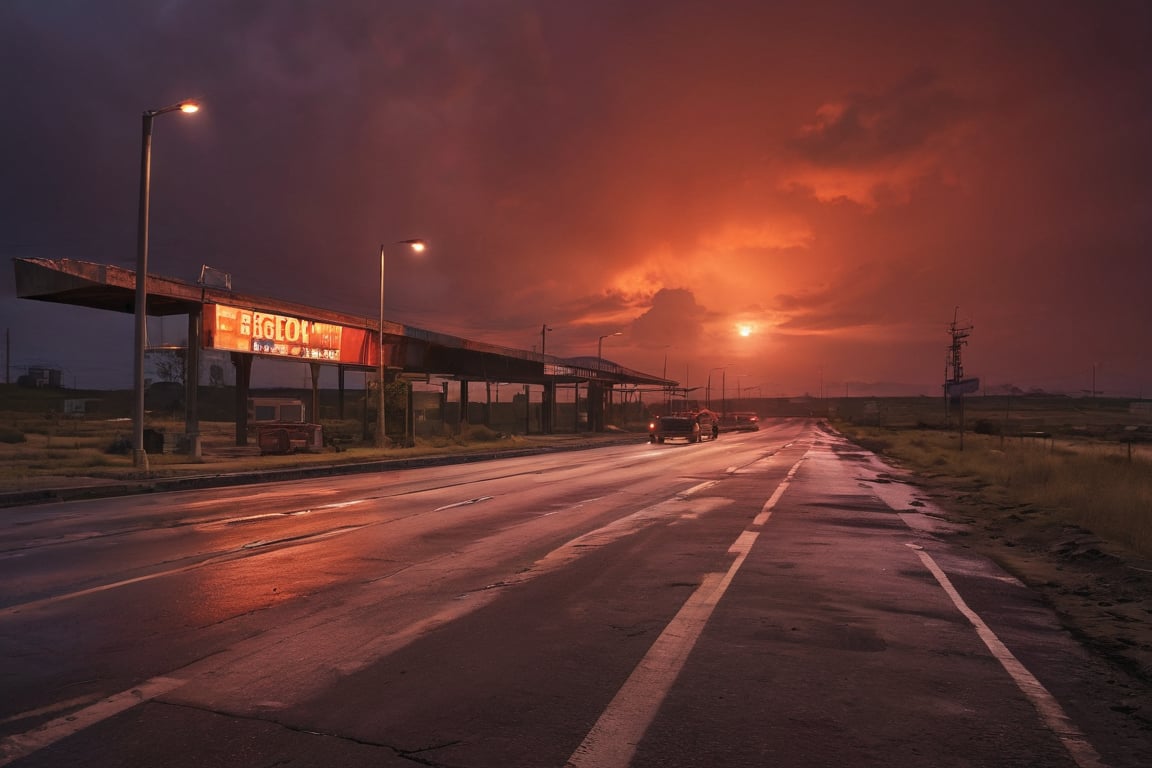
693 427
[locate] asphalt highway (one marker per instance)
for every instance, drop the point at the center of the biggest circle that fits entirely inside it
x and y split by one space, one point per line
769 598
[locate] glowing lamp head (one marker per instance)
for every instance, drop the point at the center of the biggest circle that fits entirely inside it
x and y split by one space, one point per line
418 246
189 107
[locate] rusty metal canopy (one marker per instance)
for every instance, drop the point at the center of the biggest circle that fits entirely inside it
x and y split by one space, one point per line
410 349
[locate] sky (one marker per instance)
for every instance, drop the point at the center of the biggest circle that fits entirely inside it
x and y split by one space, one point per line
793 197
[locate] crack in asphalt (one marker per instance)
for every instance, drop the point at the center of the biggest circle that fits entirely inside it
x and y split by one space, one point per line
413 754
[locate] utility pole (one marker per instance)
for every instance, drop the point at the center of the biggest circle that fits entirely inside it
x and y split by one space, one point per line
955 387
959 340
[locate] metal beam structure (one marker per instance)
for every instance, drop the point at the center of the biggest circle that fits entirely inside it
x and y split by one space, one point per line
406 349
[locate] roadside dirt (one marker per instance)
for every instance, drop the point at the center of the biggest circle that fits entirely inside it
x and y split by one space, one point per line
1101 592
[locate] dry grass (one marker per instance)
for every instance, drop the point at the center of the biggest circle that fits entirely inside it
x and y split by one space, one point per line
1070 514
60 451
1092 485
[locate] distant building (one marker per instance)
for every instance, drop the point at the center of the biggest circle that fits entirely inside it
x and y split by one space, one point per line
81 406
36 378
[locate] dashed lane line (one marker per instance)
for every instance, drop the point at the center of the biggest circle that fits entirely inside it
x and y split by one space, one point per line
613 739
245 550
21 745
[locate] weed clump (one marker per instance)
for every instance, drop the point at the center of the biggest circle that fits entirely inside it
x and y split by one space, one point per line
121 446
11 435
478 433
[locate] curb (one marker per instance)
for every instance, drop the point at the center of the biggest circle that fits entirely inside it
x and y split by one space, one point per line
228 479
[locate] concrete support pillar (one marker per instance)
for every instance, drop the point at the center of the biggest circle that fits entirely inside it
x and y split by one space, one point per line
444 405
548 408
464 402
409 417
576 410
595 406
315 370
192 382
488 402
243 364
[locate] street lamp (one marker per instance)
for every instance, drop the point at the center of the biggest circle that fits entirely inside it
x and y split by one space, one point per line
708 388
543 330
600 348
417 246
139 457
664 375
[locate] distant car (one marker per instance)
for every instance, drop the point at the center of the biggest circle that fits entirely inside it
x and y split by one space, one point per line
741 420
693 427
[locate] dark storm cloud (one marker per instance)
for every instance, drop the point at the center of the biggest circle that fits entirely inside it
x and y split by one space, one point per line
661 167
871 295
868 128
786 302
673 318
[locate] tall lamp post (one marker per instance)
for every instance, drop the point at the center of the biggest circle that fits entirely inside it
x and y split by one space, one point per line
600 348
708 389
664 375
139 456
417 245
724 393
599 386
543 330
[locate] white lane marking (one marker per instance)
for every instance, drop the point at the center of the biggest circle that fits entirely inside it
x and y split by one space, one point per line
697 488
265 516
276 515
52 708
769 505
573 505
343 504
464 503
245 550
21 745
613 739
1045 703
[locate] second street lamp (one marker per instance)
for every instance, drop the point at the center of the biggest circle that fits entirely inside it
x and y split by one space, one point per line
708 389
543 330
417 245
139 456
600 348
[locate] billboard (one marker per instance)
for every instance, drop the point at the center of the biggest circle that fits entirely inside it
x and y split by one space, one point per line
962 387
257 332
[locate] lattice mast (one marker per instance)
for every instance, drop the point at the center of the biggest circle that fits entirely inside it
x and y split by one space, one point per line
959 341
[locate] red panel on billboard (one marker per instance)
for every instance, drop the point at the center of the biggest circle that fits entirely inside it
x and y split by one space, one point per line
265 333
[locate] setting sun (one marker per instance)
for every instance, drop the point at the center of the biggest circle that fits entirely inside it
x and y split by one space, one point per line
744 330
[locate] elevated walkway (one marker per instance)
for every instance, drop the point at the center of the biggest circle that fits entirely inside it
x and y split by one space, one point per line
406 351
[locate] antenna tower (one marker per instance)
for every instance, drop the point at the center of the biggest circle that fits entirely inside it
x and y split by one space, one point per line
959 340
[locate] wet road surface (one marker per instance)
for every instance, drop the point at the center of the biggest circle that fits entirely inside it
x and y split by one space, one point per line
770 598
